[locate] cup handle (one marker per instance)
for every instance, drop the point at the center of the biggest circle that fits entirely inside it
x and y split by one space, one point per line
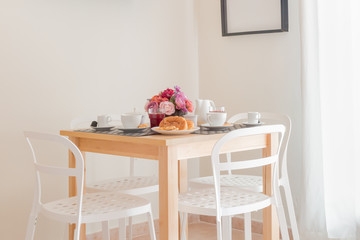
209 119
212 104
108 119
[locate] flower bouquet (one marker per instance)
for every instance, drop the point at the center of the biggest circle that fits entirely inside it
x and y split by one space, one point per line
170 102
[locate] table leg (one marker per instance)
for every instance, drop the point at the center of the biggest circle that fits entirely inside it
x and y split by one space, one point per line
168 193
183 187
73 192
270 221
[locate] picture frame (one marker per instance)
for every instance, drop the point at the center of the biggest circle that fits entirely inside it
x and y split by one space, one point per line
242 17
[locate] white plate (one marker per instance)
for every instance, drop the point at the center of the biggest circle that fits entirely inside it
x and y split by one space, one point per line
174 132
216 127
103 128
253 124
132 129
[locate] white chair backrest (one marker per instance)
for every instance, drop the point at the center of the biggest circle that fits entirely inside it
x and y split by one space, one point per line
84 122
77 172
238 117
274 118
218 166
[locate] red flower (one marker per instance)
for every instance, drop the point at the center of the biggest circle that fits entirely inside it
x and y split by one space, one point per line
189 105
167 93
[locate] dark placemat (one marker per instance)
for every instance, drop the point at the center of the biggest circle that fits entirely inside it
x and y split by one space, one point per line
209 131
115 131
148 131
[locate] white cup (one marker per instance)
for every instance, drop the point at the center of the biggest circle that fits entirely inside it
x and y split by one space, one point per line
216 118
192 118
254 117
131 120
103 120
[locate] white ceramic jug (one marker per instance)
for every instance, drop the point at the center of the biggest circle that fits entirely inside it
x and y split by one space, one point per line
202 108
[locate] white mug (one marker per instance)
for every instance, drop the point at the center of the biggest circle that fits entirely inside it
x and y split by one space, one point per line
103 120
216 118
254 117
192 118
131 120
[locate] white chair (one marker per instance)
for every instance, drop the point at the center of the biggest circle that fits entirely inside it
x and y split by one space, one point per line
255 183
132 184
84 208
225 202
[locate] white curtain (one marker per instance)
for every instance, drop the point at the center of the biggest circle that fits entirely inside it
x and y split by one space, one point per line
330 37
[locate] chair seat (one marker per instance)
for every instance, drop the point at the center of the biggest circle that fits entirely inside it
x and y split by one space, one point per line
248 182
97 207
135 185
233 201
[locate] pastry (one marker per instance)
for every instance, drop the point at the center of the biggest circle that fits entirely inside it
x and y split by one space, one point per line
143 125
169 128
190 124
178 122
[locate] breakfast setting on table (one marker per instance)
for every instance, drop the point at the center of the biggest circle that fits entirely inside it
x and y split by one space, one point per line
170 112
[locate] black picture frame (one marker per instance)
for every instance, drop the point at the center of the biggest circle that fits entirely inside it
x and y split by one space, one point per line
283 23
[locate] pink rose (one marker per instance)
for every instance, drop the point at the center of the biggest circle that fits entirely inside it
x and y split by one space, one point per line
167 107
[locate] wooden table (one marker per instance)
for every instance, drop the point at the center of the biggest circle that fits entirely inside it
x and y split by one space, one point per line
172 153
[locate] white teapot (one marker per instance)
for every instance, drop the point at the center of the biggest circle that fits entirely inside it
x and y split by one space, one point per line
202 108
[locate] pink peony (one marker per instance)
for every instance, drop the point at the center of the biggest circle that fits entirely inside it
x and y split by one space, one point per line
180 101
167 107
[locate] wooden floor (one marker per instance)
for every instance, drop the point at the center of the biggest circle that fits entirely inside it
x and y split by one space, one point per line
201 230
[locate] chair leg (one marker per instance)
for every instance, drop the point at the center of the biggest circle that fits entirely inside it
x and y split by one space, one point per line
227 228
281 215
290 205
130 227
105 230
31 225
247 226
122 229
77 231
219 231
151 226
183 221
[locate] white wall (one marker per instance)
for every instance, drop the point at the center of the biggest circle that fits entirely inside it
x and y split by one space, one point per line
63 59
252 73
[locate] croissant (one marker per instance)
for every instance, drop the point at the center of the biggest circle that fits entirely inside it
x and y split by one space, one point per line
177 122
190 124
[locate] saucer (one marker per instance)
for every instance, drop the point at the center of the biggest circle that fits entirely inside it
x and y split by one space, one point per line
132 129
221 127
106 128
253 124
174 132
